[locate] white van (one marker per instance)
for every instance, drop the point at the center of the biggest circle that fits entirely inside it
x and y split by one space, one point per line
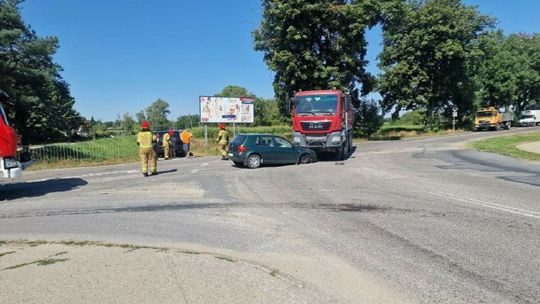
530 118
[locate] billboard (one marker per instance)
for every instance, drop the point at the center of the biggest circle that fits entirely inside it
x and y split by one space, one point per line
216 109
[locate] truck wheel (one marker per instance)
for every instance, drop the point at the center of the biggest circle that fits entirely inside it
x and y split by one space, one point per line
508 125
254 161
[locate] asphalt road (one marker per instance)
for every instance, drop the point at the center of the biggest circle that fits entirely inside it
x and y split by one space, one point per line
418 221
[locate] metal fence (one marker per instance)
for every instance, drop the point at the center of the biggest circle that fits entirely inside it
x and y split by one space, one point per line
89 152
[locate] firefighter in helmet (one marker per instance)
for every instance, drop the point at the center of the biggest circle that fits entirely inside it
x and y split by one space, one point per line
167 144
145 140
223 141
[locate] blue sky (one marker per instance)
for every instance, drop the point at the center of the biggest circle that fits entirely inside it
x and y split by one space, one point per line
119 56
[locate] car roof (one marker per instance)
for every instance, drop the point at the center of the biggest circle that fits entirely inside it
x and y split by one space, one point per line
258 134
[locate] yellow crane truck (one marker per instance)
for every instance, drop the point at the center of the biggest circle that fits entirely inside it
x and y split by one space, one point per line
491 119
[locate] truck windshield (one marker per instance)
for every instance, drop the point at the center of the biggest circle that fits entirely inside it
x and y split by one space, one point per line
486 114
316 104
3 116
526 116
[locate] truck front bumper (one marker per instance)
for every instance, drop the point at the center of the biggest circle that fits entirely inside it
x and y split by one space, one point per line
485 125
329 141
10 168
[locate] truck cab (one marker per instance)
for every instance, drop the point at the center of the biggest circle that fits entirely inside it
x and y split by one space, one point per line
491 119
322 120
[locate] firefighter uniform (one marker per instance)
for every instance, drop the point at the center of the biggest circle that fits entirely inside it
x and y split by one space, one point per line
145 140
223 141
166 145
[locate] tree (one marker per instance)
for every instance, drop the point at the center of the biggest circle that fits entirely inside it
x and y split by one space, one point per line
43 107
316 45
510 75
369 117
267 112
188 121
157 113
140 116
235 91
429 57
127 123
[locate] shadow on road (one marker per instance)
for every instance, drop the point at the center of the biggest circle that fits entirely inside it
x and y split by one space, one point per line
39 188
166 171
331 157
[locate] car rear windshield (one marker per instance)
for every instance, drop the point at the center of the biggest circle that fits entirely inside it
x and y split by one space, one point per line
239 139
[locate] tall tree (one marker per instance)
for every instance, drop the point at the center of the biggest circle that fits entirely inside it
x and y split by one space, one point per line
140 116
157 113
43 107
429 56
127 123
510 75
316 44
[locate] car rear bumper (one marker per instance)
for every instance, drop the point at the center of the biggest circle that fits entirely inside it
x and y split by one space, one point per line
237 157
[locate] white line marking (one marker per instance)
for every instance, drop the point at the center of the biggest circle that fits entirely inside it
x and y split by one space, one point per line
490 205
194 171
204 164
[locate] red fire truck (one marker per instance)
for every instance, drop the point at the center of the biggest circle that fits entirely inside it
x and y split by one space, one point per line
10 164
323 121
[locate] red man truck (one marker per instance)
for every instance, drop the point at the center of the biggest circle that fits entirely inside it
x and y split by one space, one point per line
323 121
10 164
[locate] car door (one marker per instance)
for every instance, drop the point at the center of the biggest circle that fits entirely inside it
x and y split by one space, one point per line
285 152
265 147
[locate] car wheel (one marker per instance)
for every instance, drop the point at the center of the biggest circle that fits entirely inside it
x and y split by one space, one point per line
304 159
254 161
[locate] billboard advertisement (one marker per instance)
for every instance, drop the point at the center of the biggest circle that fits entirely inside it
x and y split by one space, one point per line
216 109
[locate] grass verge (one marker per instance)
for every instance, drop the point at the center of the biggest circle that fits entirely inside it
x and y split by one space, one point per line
507 145
400 132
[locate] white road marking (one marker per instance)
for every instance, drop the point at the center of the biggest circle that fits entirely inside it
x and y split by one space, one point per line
194 171
490 205
204 164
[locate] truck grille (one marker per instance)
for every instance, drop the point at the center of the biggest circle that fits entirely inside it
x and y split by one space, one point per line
316 125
